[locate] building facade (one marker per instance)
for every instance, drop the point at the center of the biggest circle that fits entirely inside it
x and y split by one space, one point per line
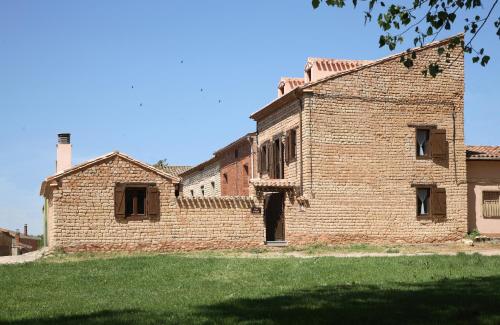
356 151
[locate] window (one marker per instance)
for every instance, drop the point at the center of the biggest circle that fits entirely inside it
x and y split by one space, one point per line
225 178
213 185
264 158
245 167
423 143
491 204
308 75
192 193
291 145
423 198
431 201
236 153
202 189
430 142
136 201
276 153
281 89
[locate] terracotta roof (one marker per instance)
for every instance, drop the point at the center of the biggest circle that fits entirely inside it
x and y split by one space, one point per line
21 235
99 159
297 92
278 183
215 156
198 167
483 152
334 65
175 170
292 82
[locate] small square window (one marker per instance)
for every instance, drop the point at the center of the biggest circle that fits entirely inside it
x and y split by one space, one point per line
422 143
423 201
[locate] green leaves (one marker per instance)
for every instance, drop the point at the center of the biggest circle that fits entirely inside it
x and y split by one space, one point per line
426 19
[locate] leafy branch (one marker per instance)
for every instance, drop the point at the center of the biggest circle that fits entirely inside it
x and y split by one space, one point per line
426 19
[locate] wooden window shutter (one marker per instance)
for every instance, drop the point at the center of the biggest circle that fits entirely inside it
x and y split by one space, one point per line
119 201
259 160
270 160
153 197
438 143
438 201
287 146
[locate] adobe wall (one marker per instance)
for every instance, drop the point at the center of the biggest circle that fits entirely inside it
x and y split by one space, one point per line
482 175
359 157
83 217
282 120
206 177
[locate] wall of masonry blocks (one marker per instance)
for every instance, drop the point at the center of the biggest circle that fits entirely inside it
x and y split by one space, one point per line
284 119
193 182
359 159
83 215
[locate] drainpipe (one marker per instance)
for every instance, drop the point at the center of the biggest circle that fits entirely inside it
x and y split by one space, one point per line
250 140
301 149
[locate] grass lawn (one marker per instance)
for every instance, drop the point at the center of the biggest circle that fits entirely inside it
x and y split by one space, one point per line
153 289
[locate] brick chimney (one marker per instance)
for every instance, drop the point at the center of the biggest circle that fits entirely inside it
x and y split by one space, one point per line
63 161
25 229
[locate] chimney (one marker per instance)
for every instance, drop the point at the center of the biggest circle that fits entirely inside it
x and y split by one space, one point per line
25 229
63 161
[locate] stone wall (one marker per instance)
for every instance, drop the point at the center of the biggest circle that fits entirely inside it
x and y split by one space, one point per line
358 155
83 216
286 118
208 177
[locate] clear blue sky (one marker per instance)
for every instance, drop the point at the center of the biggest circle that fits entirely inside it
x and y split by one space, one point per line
68 66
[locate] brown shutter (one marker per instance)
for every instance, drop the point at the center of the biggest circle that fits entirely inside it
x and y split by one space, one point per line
288 144
438 143
153 198
259 160
270 160
119 201
438 201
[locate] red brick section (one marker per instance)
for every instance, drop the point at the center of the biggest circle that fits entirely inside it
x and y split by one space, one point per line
235 170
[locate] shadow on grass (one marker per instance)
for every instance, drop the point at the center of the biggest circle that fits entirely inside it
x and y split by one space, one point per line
463 301
467 301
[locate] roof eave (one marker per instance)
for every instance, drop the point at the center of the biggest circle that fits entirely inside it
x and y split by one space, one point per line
279 102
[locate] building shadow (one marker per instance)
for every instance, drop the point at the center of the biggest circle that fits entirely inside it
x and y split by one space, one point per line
464 301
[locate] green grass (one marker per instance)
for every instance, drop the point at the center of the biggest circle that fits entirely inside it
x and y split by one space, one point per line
165 289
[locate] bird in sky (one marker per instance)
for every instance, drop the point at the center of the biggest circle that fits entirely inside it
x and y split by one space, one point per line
132 86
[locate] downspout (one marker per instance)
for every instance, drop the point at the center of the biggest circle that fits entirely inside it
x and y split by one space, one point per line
250 140
301 149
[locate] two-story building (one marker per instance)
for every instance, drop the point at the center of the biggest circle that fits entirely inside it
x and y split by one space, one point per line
353 151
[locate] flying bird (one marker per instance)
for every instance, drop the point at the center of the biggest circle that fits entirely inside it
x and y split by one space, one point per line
201 89
132 86
182 61
220 101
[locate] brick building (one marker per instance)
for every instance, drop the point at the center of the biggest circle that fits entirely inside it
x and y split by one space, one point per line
227 173
16 243
356 151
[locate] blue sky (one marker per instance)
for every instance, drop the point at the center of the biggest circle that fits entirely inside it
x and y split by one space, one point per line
68 66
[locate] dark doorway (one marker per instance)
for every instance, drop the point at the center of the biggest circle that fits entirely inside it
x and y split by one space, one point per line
274 215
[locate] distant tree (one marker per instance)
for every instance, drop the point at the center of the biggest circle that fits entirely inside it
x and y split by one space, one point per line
424 20
161 163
